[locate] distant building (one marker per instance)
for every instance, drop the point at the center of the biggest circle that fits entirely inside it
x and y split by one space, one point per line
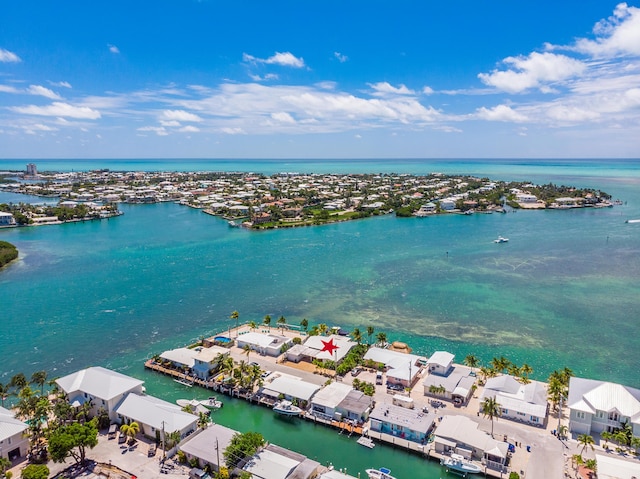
410 424
275 462
32 169
519 402
207 446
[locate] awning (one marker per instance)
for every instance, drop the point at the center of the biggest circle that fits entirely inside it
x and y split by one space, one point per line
445 442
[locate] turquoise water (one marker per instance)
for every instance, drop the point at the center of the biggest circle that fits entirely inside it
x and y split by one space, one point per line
563 292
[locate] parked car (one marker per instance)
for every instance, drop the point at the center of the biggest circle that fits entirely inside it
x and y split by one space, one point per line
379 378
355 371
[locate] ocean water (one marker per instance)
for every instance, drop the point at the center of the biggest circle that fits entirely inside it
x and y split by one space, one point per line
563 292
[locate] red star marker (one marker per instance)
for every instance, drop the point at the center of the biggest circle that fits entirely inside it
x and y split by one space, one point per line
328 346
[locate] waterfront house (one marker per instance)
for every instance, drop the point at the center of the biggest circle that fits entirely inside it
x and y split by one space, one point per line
206 447
180 358
519 402
402 368
340 401
597 406
101 387
282 385
206 360
440 362
611 467
314 348
275 462
6 219
14 442
409 424
335 474
456 385
154 416
460 434
265 344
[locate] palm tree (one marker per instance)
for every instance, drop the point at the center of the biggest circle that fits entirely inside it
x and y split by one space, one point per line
203 420
281 323
323 329
39 378
490 408
5 389
18 381
500 364
524 372
472 361
235 315
253 325
246 349
356 335
562 431
606 436
381 338
370 331
585 440
305 324
267 321
130 430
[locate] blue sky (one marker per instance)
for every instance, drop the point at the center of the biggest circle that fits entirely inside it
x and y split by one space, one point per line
329 79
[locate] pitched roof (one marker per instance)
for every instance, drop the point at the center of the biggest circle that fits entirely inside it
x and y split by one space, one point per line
203 444
9 425
154 412
98 382
590 395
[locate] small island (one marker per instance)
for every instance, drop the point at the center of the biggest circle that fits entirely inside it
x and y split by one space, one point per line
8 253
282 200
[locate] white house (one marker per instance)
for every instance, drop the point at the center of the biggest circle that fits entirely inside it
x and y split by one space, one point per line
6 219
14 443
597 406
339 400
519 402
461 435
456 386
275 462
332 348
154 415
208 445
402 368
266 344
206 360
401 422
290 387
440 362
102 387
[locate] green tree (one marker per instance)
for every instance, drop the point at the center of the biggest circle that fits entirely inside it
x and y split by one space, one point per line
472 361
323 329
282 321
35 471
236 316
130 430
39 378
500 364
242 446
267 321
5 464
19 381
370 331
73 440
5 390
247 349
491 409
305 324
585 440
356 335
381 338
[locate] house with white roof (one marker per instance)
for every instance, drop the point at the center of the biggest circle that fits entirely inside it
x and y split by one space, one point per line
290 387
180 357
6 219
409 424
460 434
207 446
339 401
518 402
440 362
206 360
154 416
456 386
597 406
317 347
14 442
402 368
265 344
101 387
356 406
275 462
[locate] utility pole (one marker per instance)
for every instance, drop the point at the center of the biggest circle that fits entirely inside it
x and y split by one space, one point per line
218 454
164 451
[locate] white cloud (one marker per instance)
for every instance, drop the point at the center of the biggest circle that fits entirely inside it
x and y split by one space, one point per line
63 84
59 109
113 49
283 117
500 113
189 129
158 130
533 71
279 58
180 115
233 131
8 57
32 128
169 123
427 90
42 91
267 77
341 58
385 89
8 89
617 35
571 114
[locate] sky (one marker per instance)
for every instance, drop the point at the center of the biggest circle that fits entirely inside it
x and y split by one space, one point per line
320 79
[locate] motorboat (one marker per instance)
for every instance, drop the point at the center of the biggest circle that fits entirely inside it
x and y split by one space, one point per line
286 408
382 473
501 239
458 463
632 221
366 442
212 403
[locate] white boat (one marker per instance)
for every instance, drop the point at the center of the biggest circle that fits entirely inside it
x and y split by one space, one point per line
459 464
366 442
382 473
286 408
212 403
501 239
194 404
632 221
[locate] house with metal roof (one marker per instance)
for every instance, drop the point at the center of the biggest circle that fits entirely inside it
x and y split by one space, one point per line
315 347
597 406
440 362
267 344
13 441
207 446
275 462
155 416
290 387
519 402
101 387
409 424
460 434
402 368
456 385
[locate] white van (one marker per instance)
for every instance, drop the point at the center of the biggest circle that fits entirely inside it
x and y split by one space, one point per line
403 401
